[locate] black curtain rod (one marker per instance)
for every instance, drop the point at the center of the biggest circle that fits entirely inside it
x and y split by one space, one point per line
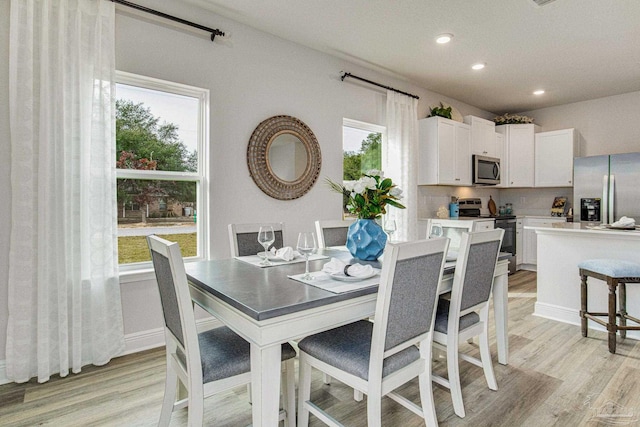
214 31
345 75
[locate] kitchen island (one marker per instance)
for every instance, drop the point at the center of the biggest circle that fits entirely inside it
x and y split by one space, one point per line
560 249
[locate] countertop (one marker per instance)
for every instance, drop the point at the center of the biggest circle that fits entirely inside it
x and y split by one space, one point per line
582 228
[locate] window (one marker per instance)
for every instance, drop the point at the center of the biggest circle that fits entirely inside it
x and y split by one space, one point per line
161 167
362 149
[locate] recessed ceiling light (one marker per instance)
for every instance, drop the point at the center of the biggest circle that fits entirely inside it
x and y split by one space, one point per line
478 66
444 38
538 92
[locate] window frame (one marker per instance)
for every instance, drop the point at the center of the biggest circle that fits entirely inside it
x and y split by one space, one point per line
369 127
201 176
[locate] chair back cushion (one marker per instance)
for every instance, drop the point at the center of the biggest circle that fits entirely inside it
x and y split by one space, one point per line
413 298
335 236
478 278
168 297
248 243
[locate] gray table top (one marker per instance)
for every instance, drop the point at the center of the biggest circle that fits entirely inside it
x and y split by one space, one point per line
264 293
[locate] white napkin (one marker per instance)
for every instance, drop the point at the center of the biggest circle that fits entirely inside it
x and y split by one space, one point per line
286 253
335 266
624 222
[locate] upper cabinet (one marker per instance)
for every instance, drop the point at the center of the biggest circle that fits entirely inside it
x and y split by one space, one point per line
554 153
445 152
483 141
518 158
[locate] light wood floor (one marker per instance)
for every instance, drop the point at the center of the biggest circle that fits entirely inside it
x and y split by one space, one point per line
554 378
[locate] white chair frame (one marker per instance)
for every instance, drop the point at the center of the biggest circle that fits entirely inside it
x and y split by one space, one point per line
377 386
190 376
449 342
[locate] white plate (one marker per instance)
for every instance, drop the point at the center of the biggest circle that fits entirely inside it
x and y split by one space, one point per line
343 278
452 256
272 257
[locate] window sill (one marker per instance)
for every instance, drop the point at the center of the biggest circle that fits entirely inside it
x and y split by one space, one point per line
137 275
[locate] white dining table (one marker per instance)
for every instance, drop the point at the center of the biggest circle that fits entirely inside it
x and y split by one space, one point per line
267 308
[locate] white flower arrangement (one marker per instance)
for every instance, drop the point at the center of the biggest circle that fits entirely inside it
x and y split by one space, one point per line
369 195
511 119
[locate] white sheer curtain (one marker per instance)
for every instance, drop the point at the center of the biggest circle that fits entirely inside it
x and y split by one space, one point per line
401 160
64 296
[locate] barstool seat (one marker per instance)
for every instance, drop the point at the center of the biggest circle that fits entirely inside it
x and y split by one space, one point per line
616 273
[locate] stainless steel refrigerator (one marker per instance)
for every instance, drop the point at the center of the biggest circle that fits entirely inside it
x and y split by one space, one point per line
605 188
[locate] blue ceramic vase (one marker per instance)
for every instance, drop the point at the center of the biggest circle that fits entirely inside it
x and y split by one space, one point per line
366 239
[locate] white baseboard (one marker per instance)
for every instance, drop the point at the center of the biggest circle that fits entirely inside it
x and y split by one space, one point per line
571 316
135 342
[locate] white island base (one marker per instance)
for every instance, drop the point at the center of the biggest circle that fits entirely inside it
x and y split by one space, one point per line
560 249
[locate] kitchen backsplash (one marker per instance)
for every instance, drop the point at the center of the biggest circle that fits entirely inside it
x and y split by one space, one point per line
526 201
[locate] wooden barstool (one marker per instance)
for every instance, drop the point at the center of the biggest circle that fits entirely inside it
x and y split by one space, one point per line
616 273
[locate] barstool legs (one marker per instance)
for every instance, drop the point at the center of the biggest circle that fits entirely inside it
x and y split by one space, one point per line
612 325
622 303
583 305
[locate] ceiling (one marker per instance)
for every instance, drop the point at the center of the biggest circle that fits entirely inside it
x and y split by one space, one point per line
573 49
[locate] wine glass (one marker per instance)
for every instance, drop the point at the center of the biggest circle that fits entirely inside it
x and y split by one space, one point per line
266 237
306 246
390 227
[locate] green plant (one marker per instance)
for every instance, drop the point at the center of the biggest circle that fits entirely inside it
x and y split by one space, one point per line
440 111
368 197
511 119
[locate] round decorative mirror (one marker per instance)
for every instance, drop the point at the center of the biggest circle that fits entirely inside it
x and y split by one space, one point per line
284 157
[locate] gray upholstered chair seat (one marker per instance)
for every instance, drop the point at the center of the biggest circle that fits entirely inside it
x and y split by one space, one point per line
612 267
349 348
442 317
225 354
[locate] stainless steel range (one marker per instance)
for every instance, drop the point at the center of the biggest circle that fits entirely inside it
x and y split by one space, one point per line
472 208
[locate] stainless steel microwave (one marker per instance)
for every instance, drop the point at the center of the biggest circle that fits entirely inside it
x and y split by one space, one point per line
486 170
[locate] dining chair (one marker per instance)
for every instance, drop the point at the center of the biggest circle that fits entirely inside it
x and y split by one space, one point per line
332 232
378 357
464 313
205 363
243 238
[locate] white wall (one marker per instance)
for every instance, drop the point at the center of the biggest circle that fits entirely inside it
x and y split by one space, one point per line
606 125
251 76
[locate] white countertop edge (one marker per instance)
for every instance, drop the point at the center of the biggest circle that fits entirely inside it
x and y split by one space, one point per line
573 228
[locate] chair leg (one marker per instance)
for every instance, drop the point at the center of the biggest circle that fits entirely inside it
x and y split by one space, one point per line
170 394
485 356
426 387
622 304
453 371
195 413
358 395
374 405
304 390
289 393
612 326
583 305
326 378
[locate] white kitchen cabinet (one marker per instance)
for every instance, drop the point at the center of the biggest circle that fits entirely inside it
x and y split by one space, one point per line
530 240
483 141
445 152
554 153
519 241
519 158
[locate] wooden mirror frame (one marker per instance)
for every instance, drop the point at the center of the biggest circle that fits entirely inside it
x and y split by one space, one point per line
258 157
